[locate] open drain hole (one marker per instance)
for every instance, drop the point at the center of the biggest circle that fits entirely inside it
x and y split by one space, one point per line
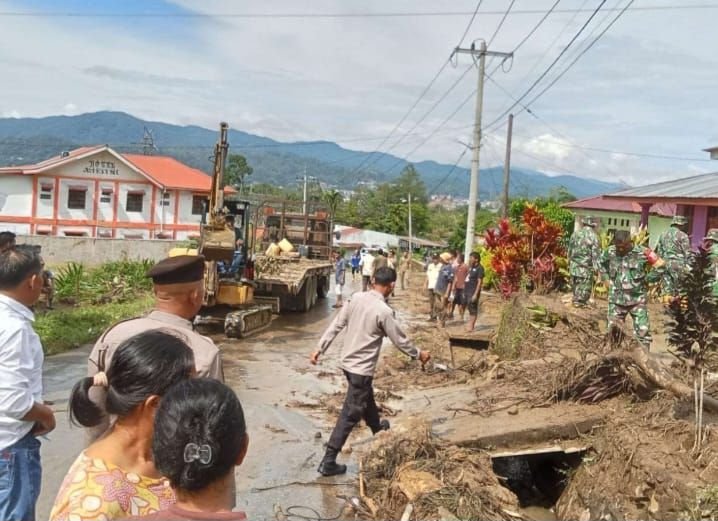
538 477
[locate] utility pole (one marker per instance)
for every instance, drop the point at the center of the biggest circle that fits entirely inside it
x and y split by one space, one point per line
411 251
507 167
305 181
482 52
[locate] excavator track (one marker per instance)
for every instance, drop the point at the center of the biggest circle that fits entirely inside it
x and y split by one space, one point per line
242 322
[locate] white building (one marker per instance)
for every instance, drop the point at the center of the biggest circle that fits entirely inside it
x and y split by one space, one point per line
98 192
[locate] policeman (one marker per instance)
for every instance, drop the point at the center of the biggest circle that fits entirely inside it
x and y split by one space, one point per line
584 255
179 290
625 267
674 247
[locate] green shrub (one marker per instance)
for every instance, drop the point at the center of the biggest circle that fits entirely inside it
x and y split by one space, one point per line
62 330
115 281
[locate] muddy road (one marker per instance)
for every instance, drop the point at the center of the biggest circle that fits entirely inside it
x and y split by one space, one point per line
278 389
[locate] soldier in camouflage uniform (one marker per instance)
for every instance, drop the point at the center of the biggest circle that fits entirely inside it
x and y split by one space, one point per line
584 252
711 242
674 248
626 267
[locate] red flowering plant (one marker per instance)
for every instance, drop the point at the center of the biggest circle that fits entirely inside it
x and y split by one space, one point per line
529 250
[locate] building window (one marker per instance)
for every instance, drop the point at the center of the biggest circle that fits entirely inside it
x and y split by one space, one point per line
76 199
46 192
165 199
198 204
134 202
106 195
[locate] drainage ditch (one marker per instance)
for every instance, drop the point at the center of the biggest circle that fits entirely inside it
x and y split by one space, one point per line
538 477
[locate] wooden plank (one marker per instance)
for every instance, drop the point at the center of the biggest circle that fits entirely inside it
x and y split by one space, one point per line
565 449
529 427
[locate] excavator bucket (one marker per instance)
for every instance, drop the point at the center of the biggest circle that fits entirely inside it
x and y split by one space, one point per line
217 244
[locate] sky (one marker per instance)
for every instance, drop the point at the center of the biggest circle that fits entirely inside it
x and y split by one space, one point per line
275 68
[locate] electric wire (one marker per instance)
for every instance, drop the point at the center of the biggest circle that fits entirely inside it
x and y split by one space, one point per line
421 95
473 92
551 66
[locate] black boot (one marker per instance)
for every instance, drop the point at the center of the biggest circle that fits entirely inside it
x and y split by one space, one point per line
384 425
329 465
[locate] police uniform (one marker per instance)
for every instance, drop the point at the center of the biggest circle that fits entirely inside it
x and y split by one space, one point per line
174 270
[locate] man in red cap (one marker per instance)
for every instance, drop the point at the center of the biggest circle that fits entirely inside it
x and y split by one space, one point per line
179 291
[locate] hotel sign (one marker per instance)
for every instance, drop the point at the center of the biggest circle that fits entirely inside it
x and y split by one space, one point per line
101 168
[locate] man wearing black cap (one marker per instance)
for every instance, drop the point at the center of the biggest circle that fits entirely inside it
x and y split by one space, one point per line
179 291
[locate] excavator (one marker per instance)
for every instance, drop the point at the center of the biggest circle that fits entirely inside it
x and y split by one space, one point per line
225 236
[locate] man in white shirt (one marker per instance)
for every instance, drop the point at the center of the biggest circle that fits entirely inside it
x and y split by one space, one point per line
23 415
367 270
432 275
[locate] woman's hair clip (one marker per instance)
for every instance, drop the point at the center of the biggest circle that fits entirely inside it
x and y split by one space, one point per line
201 453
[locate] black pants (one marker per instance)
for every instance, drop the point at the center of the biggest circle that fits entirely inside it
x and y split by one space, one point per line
358 404
365 280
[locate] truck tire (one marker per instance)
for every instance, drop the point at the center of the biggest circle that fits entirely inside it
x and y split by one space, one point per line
323 287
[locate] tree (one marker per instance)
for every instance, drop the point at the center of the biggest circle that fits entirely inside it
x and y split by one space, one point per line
237 169
333 200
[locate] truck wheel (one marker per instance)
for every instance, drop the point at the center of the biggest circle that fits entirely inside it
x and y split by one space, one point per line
323 287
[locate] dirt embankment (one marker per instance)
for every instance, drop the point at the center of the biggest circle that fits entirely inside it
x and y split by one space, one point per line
550 417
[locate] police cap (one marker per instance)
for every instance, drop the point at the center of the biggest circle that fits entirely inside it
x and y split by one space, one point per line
178 270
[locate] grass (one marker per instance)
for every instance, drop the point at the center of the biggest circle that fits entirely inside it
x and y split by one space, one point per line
65 329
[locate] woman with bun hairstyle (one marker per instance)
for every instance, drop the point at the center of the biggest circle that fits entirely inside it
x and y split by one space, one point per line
115 477
200 436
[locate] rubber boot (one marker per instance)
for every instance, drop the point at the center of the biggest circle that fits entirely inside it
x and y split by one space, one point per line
329 465
384 425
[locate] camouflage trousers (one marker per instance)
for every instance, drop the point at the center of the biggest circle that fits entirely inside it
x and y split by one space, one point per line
639 313
582 288
670 280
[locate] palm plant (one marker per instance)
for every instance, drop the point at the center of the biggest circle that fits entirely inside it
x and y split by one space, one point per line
692 326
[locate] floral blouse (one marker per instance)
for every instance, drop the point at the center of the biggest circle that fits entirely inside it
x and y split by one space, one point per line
97 490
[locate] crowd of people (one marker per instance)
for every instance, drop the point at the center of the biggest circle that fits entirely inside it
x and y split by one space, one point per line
163 431
452 284
627 269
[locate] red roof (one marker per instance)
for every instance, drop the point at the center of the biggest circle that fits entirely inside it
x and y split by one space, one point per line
170 173
600 203
165 172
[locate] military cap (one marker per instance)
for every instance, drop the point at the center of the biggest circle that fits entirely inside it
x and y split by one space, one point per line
679 220
712 235
588 221
178 270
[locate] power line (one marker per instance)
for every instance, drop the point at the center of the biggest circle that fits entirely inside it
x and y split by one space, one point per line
318 15
473 92
548 69
580 54
421 96
501 23
446 177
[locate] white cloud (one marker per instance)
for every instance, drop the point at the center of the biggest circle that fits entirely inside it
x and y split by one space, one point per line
647 86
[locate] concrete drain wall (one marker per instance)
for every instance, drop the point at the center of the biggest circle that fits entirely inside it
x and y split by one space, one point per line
538 477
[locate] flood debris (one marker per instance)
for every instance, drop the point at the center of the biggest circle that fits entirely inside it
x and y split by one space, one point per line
413 467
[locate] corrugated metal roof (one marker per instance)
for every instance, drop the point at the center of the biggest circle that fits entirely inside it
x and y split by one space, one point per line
703 186
600 203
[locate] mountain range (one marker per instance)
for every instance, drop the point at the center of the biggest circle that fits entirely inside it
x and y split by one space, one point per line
28 140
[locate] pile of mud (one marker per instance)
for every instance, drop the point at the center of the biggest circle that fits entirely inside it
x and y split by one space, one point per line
439 482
